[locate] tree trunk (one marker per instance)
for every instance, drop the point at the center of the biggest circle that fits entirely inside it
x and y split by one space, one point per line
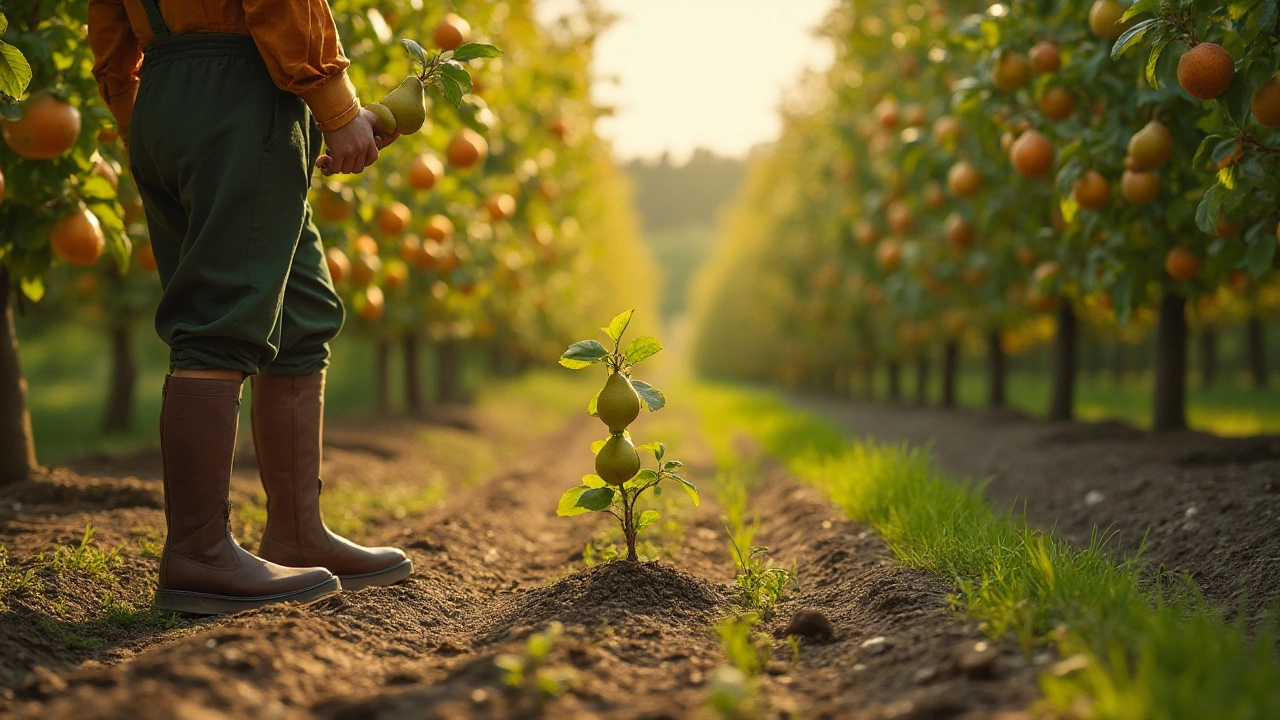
124 372
412 376
1256 347
922 378
17 446
382 377
1208 355
895 381
448 372
1062 403
950 366
995 370
1169 409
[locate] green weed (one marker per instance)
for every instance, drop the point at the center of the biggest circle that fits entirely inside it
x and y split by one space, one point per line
529 671
734 689
14 581
85 558
760 586
1138 647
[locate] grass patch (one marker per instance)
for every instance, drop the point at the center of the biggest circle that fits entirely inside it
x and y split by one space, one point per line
760 586
14 580
1136 647
85 558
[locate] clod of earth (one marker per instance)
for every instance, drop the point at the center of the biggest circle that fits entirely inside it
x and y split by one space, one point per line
812 625
978 661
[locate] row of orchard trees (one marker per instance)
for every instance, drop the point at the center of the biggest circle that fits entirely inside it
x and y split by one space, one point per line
1002 174
501 224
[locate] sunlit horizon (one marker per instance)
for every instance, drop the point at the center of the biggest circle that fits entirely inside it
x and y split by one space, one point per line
699 73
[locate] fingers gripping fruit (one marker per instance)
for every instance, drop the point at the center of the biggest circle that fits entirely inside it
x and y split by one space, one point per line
618 461
618 405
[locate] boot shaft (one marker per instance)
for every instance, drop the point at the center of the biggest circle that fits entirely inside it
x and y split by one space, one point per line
288 429
199 419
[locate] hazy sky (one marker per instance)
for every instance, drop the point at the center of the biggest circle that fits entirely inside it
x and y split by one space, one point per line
700 73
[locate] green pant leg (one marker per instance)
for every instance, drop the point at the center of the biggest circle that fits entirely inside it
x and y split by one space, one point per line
312 314
213 135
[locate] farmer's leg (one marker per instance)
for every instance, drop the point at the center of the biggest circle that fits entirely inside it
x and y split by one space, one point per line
224 189
288 428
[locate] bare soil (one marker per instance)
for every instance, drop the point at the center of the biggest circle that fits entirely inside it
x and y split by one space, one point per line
493 565
1202 506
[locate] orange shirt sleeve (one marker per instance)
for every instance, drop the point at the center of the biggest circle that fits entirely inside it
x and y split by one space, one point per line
300 44
117 56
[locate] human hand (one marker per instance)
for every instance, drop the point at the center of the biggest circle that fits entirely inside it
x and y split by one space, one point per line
354 146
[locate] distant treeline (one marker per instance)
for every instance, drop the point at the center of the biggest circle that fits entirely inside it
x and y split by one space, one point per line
670 196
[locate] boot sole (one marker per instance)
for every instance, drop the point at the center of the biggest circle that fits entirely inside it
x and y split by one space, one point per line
390 576
194 603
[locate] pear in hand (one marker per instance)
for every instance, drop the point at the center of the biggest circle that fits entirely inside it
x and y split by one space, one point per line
408 105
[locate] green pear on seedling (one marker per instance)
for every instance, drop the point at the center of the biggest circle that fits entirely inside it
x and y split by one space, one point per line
618 405
408 103
618 461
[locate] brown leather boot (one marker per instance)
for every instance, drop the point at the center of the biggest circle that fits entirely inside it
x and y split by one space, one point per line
203 570
288 426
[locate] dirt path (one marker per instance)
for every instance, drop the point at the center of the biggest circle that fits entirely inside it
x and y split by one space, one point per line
493 565
1207 507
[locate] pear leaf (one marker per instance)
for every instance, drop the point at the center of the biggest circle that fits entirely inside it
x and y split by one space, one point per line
596 499
641 348
618 325
652 396
568 506
471 51
583 354
648 517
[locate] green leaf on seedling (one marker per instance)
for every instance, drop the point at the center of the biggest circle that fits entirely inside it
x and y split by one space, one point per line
596 499
583 354
568 506
689 488
642 478
672 465
648 517
641 348
618 325
471 51
650 395
654 447
595 446
593 481
593 405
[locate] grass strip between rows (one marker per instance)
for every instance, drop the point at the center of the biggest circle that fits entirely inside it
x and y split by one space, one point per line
1135 645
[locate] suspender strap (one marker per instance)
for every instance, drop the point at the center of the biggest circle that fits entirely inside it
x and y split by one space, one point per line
157 20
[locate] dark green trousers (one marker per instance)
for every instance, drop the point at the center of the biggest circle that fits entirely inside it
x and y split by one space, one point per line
223 160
